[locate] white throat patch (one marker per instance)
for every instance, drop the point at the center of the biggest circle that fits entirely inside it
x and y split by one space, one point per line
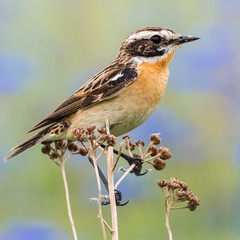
155 59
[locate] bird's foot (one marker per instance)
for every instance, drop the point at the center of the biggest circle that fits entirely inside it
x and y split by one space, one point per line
131 160
138 168
118 198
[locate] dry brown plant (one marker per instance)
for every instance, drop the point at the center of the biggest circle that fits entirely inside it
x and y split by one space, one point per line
92 139
176 191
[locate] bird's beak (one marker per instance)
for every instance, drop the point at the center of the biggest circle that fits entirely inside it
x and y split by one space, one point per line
185 39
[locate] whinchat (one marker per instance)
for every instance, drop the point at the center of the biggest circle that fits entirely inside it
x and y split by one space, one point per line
126 92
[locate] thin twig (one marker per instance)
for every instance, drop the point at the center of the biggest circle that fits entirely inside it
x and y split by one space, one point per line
146 160
100 216
140 150
68 199
169 205
176 208
118 156
150 145
102 151
124 175
152 158
107 225
111 189
128 147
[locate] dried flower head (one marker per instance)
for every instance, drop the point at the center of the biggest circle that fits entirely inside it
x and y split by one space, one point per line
132 146
78 131
111 140
102 130
90 130
155 139
126 138
136 155
162 183
92 137
46 149
73 147
79 134
61 144
164 153
54 155
179 192
192 205
153 150
159 164
140 143
83 151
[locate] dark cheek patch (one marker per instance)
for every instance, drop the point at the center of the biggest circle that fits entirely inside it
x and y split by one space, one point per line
160 53
144 48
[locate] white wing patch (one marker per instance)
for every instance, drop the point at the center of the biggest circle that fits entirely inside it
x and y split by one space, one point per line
116 77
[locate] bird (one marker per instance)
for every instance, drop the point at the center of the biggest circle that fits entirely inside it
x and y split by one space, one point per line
126 92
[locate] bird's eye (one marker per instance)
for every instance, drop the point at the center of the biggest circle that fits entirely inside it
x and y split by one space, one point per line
155 39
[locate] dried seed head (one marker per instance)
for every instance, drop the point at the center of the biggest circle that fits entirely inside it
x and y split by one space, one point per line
102 130
81 137
90 130
155 139
78 131
183 185
111 140
61 144
153 150
73 147
159 164
54 155
190 195
181 195
136 155
83 151
104 137
174 179
192 205
164 153
46 149
140 143
92 137
126 138
173 184
131 146
162 183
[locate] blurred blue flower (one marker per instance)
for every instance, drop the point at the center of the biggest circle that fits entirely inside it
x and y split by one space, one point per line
14 72
30 232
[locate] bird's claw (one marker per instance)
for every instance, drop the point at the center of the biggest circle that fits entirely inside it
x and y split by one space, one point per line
137 169
118 198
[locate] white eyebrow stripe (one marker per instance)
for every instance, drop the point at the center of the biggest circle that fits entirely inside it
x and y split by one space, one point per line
148 34
141 35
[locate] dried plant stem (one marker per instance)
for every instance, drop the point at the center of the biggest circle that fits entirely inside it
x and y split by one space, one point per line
111 189
124 175
118 157
68 199
168 208
100 216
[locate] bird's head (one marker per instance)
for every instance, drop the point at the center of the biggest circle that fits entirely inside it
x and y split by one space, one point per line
153 44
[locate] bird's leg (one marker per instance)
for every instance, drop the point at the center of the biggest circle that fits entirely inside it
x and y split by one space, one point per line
136 160
118 194
101 175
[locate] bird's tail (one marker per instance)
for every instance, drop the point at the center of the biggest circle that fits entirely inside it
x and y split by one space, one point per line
32 141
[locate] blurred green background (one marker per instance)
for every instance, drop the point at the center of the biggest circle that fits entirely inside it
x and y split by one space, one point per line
49 48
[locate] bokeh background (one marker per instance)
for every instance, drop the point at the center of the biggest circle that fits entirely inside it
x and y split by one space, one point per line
49 48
